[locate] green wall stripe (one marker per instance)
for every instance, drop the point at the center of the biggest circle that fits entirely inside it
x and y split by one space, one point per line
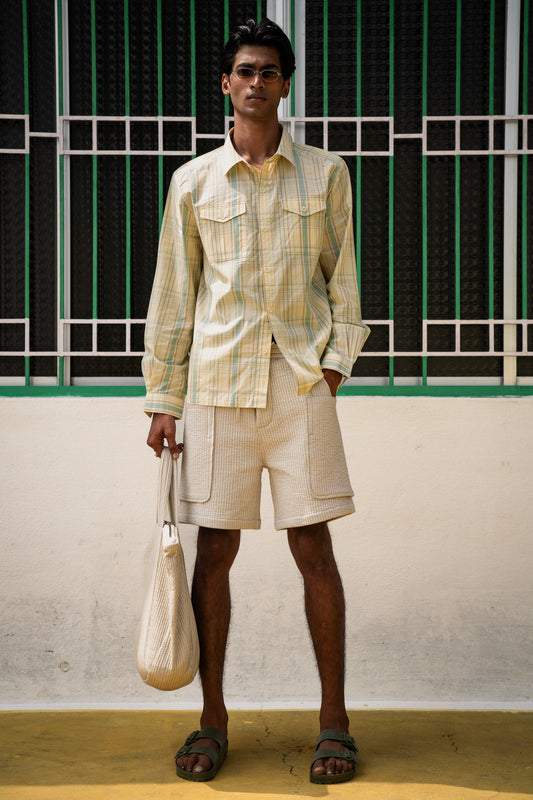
425 183
27 306
525 90
325 32
346 391
391 182
458 37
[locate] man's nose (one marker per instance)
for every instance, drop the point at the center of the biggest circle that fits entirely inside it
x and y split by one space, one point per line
258 80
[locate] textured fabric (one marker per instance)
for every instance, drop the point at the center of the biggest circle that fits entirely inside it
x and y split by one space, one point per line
297 438
245 254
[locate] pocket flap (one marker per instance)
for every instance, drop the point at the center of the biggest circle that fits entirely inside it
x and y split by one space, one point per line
304 208
221 212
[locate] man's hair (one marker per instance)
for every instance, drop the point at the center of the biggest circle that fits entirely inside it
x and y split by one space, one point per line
265 33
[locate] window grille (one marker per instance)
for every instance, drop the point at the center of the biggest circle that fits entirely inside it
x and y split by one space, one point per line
427 102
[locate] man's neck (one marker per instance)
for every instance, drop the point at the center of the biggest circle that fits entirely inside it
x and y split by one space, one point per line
256 141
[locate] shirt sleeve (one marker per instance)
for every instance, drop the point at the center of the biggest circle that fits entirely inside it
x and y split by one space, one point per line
170 321
337 259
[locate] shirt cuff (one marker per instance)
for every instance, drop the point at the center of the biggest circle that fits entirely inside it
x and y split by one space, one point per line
163 404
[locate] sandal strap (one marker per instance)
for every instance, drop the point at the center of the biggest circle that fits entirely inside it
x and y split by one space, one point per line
210 752
343 755
337 736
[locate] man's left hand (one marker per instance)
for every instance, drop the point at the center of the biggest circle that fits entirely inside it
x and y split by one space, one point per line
333 380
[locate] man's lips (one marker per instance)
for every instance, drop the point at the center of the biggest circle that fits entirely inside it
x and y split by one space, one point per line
256 97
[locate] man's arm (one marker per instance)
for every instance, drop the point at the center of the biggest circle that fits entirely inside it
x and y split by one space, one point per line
170 321
337 260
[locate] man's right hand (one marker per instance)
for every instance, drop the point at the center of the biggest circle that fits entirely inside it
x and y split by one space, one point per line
163 427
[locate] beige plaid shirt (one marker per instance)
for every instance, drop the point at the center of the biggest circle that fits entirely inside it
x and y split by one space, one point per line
244 255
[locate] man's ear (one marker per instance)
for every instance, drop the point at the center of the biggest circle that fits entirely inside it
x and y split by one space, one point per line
226 85
286 88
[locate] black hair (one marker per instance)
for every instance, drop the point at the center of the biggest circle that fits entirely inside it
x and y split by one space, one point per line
265 33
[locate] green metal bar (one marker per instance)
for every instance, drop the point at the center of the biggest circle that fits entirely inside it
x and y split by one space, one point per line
259 14
458 37
358 162
226 37
293 43
94 111
160 174
127 111
425 183
27 307
61 243
491 166
391 182
525 89
325 103
193 58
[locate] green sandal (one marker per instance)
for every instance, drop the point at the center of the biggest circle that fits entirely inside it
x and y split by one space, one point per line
347 754
217 759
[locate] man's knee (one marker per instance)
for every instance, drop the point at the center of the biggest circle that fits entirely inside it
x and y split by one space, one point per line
312 549
216 548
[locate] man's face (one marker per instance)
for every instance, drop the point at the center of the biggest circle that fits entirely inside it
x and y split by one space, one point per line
256 98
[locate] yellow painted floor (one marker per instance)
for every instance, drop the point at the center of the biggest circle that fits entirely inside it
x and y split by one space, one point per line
405 755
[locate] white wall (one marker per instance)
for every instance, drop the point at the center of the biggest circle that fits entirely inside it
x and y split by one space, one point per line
437 563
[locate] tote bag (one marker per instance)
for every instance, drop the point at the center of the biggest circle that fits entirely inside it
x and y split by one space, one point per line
167 651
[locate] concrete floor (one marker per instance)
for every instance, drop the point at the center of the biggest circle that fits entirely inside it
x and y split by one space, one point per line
405 755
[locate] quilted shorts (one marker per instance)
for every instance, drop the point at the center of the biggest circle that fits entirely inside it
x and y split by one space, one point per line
296 438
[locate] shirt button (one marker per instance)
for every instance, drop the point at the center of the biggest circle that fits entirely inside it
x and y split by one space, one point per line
304 208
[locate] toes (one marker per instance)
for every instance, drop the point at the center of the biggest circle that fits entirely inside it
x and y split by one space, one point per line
319 768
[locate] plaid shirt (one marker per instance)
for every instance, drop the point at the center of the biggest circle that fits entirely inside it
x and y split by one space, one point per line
244 255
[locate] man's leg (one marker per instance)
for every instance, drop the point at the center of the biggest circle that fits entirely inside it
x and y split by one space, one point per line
324 606
216 551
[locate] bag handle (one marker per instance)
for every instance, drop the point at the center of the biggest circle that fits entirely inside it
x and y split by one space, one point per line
167 489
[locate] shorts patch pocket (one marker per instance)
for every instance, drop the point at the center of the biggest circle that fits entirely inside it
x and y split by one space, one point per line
197 457
328 473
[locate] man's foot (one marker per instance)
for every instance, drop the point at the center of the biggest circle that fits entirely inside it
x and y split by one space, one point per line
202 755
335 758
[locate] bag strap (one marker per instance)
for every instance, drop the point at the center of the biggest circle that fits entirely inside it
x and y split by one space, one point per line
167 489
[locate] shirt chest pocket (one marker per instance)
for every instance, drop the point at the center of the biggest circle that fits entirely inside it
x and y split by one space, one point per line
303 223
222 227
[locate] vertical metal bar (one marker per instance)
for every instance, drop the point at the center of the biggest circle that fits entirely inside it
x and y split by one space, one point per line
358 161
525 90
491 166
160 201
294 48
259 12
325 103
226 37
127 111
425 185
61 196
391 182
458 41
193 65
64 337
27 309
94 111
510 192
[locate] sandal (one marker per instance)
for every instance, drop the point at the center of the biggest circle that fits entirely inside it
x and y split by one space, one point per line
347 754
217 759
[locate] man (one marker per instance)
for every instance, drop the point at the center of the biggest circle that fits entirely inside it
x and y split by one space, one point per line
255 317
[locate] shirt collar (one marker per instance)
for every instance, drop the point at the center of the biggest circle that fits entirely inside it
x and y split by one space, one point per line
232 157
